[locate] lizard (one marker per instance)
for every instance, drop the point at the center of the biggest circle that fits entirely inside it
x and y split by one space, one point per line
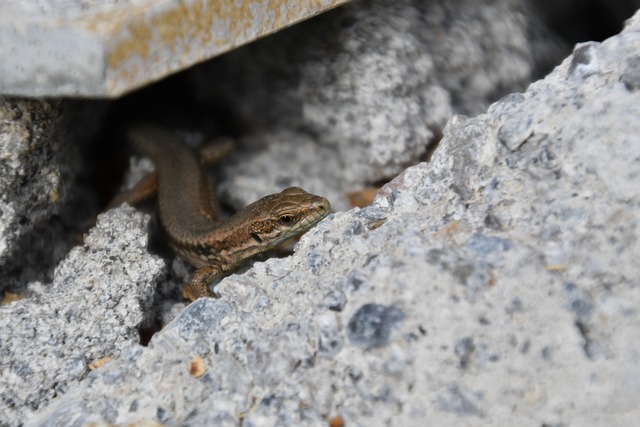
189 214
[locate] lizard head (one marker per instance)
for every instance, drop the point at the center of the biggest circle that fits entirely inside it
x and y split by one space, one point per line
278 217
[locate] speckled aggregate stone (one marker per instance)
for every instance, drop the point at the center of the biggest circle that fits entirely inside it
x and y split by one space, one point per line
92 310
41 199
371 88
31 184
495 285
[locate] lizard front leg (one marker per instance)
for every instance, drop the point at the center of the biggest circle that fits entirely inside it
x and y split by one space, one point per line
197 285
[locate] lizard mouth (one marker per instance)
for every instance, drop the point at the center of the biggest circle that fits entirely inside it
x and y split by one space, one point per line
318 210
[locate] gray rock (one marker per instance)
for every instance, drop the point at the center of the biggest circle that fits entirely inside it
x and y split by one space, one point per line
92 310
372 324
38 164
495 285
363 91
41 201
30 182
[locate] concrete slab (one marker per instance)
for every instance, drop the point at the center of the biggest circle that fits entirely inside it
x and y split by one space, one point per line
81 49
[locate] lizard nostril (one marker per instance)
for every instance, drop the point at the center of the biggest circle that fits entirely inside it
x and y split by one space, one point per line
322 205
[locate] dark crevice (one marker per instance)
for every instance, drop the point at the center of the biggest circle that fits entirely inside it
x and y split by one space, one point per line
578 21
589 345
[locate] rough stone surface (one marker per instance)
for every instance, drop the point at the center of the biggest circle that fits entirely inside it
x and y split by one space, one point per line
106 48
91 310
495 285
41 201
39 159
373 86
30 183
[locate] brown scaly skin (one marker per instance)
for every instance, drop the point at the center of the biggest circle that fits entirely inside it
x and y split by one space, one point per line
189 215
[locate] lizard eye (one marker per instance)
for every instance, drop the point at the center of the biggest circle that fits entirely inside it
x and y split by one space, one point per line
287 219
